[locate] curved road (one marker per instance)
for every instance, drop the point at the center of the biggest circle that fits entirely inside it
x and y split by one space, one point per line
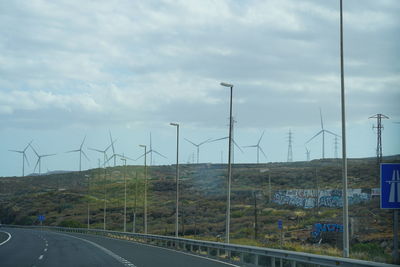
42 248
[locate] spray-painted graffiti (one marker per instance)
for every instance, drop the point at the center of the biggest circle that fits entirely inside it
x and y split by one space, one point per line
310 198
319 228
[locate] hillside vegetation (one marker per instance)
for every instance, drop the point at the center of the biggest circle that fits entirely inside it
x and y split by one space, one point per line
63 198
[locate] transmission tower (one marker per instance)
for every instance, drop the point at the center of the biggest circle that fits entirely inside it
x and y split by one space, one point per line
336 143
290 152
379 128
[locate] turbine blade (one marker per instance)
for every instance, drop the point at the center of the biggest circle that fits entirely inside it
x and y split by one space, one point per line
320 114
112 143
251 146
26 158
241 150
16 151
85 155
82 142
143 155
94 149
262 151
159 154
28 145
77 150
218 139
314 136
48 155
206 141
37 163
190 141
259 140
332 133
34 150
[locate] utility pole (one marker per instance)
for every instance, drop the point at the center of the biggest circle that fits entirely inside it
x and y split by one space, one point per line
290 153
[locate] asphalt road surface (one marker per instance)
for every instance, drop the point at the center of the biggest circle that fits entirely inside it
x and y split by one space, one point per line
42 248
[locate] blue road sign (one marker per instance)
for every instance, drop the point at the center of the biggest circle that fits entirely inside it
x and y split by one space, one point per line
390 186
41 218
280 224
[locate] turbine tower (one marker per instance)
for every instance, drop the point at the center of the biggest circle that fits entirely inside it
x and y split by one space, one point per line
80 153
259 148
23 157
308 152
198 146
323 131
39 161
290 153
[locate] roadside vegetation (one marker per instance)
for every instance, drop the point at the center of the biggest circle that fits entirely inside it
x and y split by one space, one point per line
63 199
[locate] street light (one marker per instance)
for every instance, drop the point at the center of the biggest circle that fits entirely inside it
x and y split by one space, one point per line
344 157
145 188
124 160
88 204
228 201
177 177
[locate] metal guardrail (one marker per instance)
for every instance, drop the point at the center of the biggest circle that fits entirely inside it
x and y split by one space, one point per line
236 254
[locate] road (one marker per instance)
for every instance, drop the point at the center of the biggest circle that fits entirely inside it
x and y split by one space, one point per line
35 248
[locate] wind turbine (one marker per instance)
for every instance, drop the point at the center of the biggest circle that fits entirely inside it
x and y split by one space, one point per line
259 148
198 146
151 151
23 157
323 131
39 161
80 153
104 152
233 141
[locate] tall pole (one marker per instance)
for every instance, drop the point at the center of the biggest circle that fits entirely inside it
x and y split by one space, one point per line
134 209
177 179
105 199
228 201
88 203
124 160
344 157
145 188
379 128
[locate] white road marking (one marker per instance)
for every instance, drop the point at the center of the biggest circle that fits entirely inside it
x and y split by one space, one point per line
45 249
8 239
108 252
40 257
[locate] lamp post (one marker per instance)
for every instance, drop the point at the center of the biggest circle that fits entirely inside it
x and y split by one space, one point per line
145 188
124 160
177 178
344 157
105 198
88 204
228 201
134 210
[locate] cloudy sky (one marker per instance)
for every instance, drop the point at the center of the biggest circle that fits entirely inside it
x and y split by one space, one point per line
70 69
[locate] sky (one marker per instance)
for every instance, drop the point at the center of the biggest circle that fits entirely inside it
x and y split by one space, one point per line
70 69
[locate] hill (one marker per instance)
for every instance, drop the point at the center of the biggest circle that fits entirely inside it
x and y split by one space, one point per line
63 198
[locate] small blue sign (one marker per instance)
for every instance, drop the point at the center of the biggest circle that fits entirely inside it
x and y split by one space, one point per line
390 186
41 218
280 224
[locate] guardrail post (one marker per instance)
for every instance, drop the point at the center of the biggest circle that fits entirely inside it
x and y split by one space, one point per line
272 262
256 259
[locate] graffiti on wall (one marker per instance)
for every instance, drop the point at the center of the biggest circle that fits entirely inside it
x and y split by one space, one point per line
310 198
319 228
